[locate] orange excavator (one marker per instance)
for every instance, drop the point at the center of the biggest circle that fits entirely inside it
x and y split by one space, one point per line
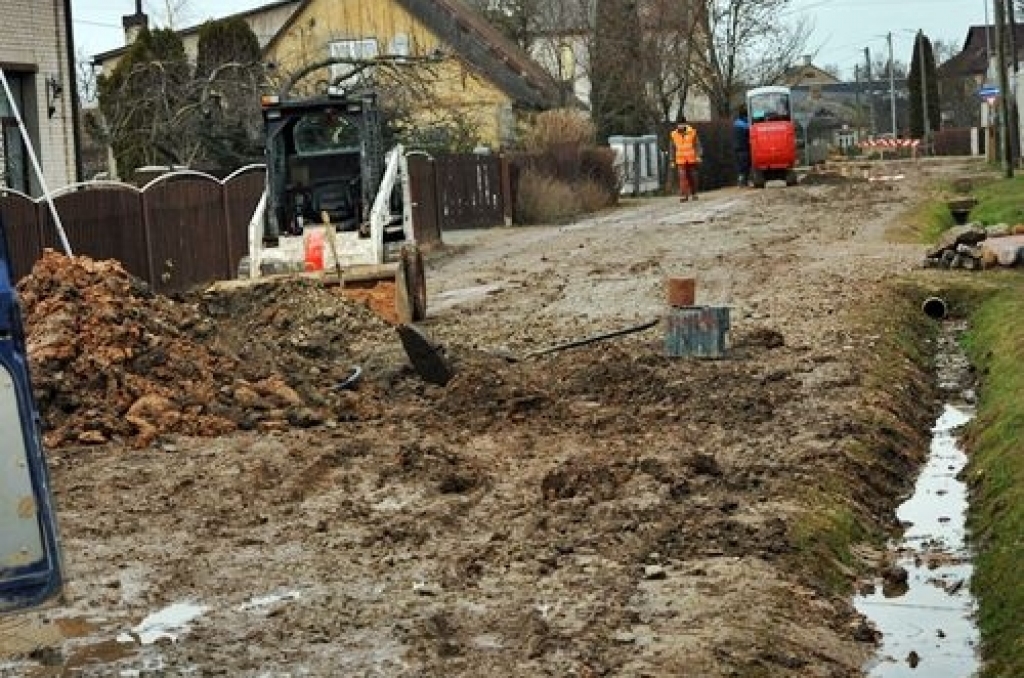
772 136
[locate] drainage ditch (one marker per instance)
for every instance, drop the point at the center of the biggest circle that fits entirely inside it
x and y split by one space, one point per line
923 606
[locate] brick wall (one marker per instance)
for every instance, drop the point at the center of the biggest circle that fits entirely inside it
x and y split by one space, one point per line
34 46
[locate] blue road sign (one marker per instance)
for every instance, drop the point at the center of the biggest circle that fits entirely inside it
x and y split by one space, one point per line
988 91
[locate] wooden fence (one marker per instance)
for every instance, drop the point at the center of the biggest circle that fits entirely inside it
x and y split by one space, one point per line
187 228
180 229
460 191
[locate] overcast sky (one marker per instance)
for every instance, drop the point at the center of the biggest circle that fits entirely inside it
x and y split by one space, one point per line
842 28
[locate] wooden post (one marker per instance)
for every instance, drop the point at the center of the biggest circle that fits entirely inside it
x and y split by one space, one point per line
507 199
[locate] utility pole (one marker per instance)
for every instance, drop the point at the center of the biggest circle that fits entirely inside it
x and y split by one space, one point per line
1014 112
892 87
1011 24
871 89
856 103
1004 90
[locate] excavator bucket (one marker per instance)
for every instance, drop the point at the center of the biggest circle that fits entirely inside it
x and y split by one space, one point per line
30 565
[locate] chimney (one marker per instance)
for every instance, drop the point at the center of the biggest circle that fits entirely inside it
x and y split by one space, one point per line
807 59
134 23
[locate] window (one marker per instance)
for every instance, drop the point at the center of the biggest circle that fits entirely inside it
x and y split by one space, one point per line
13 156
401 45
365 48
767 106
566 62
326 132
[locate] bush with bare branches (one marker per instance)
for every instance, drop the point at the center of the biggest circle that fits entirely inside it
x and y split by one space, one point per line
559 127
563 174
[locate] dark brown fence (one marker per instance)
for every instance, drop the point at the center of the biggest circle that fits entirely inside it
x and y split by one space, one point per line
468 191
953 141
181 229
188 228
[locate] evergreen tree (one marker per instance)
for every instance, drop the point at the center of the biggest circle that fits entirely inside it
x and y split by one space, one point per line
923 61
617 78
137 99
226 41
229 73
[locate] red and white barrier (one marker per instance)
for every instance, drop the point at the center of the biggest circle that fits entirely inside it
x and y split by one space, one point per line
887 143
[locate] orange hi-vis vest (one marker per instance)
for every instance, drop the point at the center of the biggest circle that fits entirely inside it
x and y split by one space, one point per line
685 142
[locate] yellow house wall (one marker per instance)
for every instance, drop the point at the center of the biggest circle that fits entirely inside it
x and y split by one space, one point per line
455 85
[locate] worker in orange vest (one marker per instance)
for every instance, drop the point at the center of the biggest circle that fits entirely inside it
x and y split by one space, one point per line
686 159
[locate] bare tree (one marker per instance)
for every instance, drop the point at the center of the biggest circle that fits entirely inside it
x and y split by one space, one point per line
671 51
519 20
945 50
617 70
85 76
173 14
748 43
415 110
880 68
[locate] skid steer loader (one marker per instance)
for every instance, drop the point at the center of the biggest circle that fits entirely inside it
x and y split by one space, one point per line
335 200
30 563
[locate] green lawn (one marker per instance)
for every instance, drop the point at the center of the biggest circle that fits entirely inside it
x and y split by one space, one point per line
993 302
1000 202
995 442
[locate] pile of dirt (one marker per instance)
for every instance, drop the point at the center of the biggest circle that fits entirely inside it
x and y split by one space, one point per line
113 361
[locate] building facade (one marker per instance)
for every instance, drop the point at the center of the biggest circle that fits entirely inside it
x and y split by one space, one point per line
37 58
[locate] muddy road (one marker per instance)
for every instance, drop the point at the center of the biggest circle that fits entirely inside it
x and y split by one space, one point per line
601 511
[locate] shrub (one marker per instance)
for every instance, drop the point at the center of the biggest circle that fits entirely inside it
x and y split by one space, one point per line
560 127
597 165
543 200
593 196
563 174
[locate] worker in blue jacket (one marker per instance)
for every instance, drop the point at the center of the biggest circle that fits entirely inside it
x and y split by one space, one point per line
741 144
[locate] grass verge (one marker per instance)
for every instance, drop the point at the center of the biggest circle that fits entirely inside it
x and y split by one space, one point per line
884 440
1000 202
995 441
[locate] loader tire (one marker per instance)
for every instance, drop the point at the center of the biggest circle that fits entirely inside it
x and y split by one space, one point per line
415 281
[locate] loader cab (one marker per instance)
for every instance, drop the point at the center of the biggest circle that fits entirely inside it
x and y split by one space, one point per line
324 155
769 104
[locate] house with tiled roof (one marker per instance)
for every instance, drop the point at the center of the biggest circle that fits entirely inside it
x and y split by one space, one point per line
961 76
265 21
478 75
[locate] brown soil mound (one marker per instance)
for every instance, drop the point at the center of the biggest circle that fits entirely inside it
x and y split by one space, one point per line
111 360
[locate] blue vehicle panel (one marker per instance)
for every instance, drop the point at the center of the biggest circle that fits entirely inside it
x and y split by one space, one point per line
30 563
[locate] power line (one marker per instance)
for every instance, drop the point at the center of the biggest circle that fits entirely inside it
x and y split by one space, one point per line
87 22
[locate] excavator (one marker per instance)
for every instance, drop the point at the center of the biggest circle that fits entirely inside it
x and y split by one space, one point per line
772 136
30 560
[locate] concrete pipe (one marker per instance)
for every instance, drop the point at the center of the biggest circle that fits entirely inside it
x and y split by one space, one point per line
935 307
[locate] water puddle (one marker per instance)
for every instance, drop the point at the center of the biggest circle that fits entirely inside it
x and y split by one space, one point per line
924 608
